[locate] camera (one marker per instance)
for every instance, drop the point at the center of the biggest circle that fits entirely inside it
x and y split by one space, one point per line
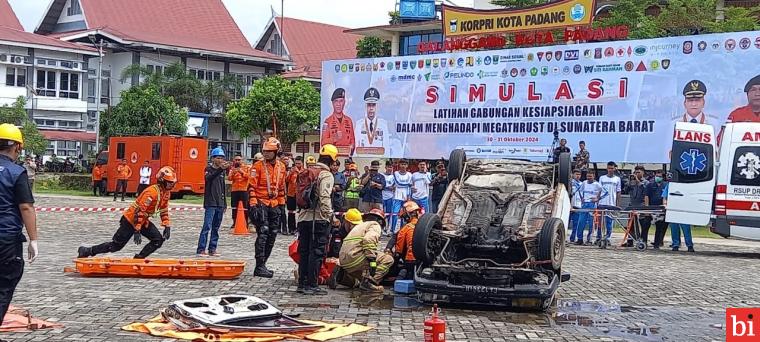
237 164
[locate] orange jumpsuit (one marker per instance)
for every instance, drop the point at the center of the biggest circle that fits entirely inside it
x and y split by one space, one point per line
266 187
239 180
404 240
123 172
97 173
151 201
339 132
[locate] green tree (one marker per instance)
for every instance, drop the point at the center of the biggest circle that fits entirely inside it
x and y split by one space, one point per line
369 47
188 91
273 98
15 114
394 17
143 111
517 3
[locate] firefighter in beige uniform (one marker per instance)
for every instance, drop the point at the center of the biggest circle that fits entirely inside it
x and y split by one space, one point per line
359 256
371 131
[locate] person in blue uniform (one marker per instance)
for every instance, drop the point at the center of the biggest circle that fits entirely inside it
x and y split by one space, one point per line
16 211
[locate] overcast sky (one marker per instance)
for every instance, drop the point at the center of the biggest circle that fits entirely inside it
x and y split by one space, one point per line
252 15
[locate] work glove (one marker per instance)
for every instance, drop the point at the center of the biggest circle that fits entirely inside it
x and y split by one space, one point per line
32 251
167 232
372 266
137 238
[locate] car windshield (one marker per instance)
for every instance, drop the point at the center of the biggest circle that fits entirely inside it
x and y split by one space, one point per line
505 182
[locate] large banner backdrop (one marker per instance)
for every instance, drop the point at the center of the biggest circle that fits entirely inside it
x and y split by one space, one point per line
622 98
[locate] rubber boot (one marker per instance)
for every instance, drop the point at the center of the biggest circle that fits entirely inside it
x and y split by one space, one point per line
368 285
261 270
84 252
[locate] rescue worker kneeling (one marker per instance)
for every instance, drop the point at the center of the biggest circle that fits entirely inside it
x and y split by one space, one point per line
135 223
267 200
409 212
359 258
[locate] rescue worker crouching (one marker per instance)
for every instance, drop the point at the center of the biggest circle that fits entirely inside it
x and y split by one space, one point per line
359 258
135 222
267 200
16 211
402 245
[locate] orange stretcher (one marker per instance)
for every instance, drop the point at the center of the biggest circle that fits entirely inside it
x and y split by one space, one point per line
158 268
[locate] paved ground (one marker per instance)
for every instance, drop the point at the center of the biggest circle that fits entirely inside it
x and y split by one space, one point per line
649 296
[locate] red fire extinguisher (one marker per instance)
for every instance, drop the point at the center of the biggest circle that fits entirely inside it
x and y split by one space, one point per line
435 327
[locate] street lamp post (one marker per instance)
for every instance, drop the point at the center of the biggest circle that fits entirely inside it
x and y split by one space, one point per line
305 129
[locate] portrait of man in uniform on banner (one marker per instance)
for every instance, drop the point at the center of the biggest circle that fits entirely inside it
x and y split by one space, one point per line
338 128
694 102
371 131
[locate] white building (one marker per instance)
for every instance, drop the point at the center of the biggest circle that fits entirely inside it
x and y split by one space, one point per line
50 74
200 34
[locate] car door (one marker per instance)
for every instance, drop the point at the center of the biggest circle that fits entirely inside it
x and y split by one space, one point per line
692 164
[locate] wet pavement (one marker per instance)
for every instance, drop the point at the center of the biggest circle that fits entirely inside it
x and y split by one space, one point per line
614 294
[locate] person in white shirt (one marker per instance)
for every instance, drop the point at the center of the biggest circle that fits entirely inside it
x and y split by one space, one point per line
612 186
590 192
403 185
145 172
575 201
421 186
388 194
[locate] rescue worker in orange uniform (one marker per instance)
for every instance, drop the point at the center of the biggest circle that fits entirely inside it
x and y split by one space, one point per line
291 193
403 247
238 176
338 128
266 188
135 222
97 180
123 173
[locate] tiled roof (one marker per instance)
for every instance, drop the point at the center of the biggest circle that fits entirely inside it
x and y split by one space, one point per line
8 17
195 24
309 43
68 135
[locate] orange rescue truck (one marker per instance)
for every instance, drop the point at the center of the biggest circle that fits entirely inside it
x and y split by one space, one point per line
187 155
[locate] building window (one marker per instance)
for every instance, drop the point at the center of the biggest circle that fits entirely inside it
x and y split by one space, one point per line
67 148
315 148
15 77
275 45
287 148
45 83
302 147
69 85
155 151
408 44
74 9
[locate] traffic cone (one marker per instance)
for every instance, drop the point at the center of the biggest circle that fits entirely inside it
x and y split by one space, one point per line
241 228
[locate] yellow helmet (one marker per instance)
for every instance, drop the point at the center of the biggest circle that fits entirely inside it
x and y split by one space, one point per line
11 133
329 150
310 160
353 215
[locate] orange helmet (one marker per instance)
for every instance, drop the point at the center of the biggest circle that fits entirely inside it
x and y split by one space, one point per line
272 144
376 213
407 208
167 173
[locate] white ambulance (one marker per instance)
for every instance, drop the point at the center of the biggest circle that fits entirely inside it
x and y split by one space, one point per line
724 193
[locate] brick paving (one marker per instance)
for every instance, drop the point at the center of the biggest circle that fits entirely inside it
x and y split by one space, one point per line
651 295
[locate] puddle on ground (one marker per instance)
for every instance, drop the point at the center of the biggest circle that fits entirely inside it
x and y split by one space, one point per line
385 301
600 316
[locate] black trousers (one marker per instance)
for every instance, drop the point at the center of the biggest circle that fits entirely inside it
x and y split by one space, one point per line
121 186
11 270
98 186
124 235
267 224
312 239
645 221
291 206
140 188
659 233
235 197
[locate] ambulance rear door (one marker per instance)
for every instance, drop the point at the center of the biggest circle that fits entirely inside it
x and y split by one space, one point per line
692 164
742 193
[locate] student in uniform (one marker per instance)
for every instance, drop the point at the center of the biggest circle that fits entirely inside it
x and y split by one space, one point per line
388 195
403 192
612 186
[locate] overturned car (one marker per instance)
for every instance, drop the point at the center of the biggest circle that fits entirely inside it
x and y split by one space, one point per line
498 236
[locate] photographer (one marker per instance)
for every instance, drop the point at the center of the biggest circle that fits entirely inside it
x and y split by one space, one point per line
637 188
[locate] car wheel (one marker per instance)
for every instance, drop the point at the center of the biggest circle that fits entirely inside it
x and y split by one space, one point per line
457 159
565 170
551 243
422 248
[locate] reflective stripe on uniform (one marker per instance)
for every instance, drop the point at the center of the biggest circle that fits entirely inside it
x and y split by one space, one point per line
355 263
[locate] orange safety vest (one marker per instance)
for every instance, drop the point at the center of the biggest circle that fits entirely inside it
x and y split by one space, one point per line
123 172
291 181
404 239
239 178
150 201
97 173
266 183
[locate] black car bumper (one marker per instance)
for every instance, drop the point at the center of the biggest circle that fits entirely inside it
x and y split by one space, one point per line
530 296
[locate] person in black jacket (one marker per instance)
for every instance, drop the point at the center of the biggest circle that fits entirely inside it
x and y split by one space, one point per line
214 203
440 183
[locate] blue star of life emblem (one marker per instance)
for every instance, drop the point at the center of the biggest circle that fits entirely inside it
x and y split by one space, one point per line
693 161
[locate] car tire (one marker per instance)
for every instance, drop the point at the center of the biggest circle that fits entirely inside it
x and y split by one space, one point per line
425 225
565 170
551 243
457 159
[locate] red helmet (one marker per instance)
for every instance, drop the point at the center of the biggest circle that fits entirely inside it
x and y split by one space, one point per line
378 214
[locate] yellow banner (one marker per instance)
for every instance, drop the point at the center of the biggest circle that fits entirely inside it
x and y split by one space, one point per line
459 21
